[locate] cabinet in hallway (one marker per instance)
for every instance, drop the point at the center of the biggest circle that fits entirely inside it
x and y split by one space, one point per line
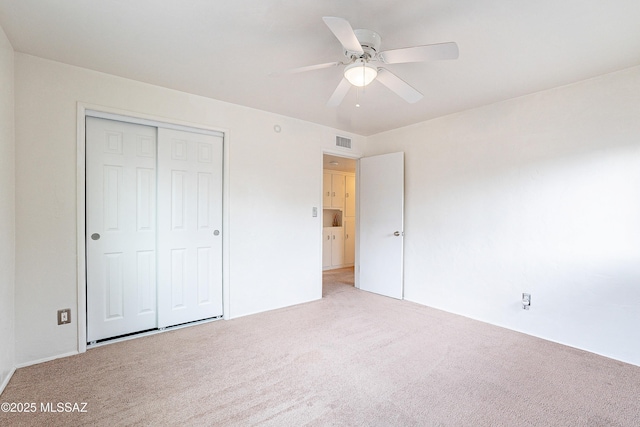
332 247
339 210
349 241
350 196
333 186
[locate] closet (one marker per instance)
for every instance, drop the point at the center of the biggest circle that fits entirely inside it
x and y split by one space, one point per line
339 212
153 227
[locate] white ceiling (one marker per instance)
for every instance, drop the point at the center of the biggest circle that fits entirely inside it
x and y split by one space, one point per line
227 49
337 163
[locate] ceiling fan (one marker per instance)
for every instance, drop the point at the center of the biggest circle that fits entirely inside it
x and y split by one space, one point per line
364 61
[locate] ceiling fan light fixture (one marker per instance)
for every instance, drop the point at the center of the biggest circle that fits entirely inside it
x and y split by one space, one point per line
360 73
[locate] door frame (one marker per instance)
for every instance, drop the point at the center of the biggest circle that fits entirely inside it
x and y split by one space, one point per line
356 262
84 110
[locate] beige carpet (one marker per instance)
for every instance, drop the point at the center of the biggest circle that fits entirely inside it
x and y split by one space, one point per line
350 359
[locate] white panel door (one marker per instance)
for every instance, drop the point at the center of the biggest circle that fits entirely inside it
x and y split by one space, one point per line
189 227
121 228
381 197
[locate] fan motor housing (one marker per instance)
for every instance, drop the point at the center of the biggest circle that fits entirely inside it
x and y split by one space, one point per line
369 40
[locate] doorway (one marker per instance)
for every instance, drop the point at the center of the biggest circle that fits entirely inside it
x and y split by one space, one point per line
378 265
338 222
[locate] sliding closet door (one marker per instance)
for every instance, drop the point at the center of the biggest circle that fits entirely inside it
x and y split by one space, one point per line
189 227
121 228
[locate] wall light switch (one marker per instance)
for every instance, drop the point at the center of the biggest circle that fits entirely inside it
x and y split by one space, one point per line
314 212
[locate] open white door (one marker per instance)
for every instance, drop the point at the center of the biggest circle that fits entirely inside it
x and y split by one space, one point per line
381 224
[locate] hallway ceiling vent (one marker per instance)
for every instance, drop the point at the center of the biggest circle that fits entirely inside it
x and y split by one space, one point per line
343 142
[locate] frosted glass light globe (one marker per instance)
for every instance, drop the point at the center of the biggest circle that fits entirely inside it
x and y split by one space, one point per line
360 73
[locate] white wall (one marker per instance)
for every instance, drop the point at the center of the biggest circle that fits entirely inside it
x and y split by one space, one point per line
275 180
539 194
7 210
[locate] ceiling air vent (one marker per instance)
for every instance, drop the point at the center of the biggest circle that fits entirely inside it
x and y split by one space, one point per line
343 142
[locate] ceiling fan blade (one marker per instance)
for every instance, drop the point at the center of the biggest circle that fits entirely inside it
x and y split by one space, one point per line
430 52
307 68
339 93
344 33
399 86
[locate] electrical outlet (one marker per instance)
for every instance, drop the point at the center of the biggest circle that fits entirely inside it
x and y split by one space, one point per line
526 301
64 316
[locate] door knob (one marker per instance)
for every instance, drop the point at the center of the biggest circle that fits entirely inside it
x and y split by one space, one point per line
397 233
95 236
216 232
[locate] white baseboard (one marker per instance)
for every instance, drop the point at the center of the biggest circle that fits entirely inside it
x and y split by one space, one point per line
33 362
6 380
46 359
